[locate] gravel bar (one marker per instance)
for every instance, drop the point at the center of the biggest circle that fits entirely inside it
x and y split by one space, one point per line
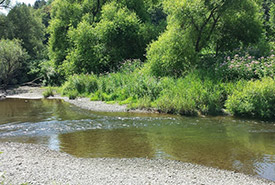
35 164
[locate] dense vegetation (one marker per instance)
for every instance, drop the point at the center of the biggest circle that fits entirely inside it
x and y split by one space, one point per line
176 56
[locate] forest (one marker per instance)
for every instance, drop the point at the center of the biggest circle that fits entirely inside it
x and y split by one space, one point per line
199 57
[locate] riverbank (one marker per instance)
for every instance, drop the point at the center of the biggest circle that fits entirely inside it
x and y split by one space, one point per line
35 164
85 103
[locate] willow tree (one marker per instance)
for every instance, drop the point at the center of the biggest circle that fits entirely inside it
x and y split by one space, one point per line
24 24
200 24
12 57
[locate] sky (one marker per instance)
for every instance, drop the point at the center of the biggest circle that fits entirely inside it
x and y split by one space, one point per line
13 2
24 1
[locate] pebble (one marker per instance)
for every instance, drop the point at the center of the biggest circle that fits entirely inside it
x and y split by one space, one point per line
59 168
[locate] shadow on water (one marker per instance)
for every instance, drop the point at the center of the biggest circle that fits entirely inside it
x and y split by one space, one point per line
246 146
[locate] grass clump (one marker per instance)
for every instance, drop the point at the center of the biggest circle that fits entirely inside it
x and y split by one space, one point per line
255 99
48 92
193 95
80 85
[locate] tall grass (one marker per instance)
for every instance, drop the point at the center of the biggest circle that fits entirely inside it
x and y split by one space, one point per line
255 99
190 95
201 91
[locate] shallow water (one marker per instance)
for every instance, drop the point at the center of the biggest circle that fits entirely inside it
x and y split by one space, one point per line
246 146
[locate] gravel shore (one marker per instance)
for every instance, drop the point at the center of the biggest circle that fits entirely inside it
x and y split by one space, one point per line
35 164
37 93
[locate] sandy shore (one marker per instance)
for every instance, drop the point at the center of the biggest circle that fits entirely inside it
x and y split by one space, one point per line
34 164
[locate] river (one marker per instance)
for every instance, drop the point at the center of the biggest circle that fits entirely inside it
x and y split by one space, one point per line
241 145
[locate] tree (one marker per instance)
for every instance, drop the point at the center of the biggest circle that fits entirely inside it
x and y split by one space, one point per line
64 14
4 3
272 21
103 46
3 26
219 24
115 30
12 56
26 25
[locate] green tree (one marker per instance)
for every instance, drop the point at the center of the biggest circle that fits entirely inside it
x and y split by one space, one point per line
26 25
3 26
87 53
219 24
66 14
12 57
103 46
272 21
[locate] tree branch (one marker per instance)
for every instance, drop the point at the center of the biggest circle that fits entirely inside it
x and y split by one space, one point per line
197 47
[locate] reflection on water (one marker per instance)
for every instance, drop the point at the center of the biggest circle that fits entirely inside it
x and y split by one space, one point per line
241 145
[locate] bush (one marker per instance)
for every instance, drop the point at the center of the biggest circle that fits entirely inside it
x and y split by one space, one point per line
48 93
171 54
193 95
246 67
256 99
80 85
102 47
12 56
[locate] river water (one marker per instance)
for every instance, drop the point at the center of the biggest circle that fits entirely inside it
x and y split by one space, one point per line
241 145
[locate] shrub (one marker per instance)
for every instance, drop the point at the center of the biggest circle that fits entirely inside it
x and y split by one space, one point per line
192 95
73 94
246 67
48 93
12 56
170 55
256 99
82 84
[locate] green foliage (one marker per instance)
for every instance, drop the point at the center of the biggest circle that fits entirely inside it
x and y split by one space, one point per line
12 57
120 31
80 84
88 53
26 25
246 67
72 94
65 14
172 54
100 48
48 92
200 24
97 36
272 20
4 25
256 99
192 95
